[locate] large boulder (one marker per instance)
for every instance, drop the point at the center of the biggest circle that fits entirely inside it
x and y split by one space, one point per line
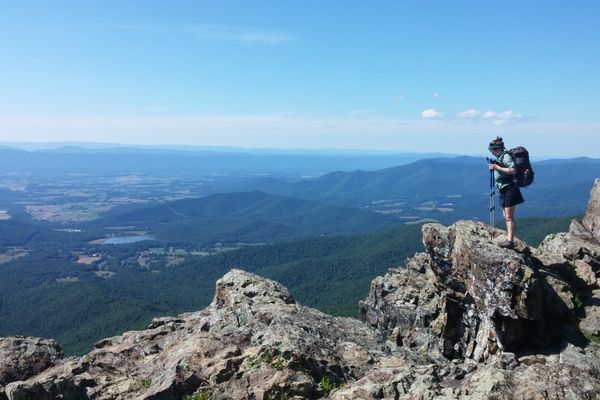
580 248
23 357
466 297
591 221
470 320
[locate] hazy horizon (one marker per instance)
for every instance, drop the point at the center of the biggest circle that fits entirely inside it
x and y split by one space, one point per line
43 146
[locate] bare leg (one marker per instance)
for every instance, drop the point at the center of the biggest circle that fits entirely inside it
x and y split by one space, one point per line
511 226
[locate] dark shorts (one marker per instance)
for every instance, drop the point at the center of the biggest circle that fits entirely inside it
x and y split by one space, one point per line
510 196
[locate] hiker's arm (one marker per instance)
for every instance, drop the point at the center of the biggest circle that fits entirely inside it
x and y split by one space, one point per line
504 170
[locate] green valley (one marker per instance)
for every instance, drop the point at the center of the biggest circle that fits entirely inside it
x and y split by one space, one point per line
328 273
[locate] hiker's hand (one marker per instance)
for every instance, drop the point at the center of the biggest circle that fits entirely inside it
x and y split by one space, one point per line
492 166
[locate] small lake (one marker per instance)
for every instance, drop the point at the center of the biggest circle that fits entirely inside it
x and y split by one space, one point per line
127 239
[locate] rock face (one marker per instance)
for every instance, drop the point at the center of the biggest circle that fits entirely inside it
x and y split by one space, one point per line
492 323
469 304
465 319
591 221
23 357
580 247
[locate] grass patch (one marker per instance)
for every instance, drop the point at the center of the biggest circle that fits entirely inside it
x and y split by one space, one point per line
203 395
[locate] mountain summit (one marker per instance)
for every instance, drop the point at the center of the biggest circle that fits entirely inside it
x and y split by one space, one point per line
465 319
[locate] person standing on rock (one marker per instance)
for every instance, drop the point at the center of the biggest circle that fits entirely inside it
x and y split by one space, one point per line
505 169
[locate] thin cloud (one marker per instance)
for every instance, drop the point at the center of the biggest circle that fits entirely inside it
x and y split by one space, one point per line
509 115
431 113
360 112
495 117
506 117
472 113
217 33
238 34
152 109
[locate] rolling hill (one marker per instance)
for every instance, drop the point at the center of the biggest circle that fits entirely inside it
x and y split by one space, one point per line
561 187
250 217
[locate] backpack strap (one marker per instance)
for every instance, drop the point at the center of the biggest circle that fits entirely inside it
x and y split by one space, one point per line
505 178
501 156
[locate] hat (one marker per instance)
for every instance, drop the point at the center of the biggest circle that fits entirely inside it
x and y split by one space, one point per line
496 143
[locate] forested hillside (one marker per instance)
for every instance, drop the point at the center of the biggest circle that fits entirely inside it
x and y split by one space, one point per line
328 273
250 217
47 294
445 189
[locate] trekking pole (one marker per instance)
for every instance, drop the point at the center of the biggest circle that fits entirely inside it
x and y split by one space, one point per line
492 197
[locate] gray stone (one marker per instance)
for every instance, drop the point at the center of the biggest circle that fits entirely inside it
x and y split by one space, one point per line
22 357
591 221
253 341
590 321
471 298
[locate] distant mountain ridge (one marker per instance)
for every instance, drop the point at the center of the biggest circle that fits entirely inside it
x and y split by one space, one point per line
561 187
126 160
445 189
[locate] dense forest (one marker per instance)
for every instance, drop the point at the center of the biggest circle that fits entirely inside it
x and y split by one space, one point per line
47 294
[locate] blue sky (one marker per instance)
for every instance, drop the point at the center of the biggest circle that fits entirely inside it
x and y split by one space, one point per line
381 75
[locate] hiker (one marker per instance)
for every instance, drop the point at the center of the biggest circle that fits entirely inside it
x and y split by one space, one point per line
505 169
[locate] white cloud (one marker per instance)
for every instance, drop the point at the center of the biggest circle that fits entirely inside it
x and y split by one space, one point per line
436 95
509 115
506 117
495 117
431 113
472 113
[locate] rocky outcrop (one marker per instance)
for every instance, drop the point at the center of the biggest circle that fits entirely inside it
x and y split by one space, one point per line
23 357
580 248
493 323
591 221
468 298
465 319
534 377
253 342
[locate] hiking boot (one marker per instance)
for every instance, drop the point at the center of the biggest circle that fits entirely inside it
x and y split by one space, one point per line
507 244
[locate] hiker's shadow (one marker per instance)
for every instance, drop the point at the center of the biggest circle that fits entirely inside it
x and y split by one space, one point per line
565 299
591 301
